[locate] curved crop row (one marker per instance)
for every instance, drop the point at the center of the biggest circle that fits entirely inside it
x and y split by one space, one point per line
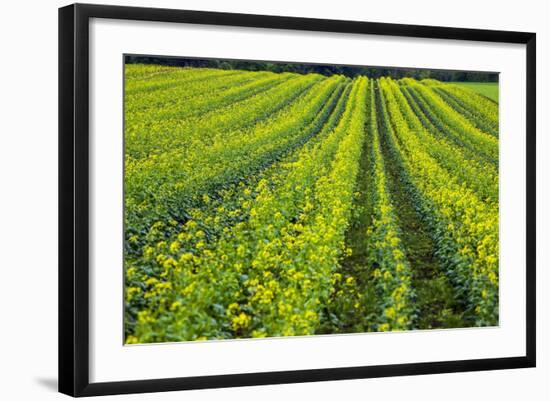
273 270
481 121
217 216
476 175
192 97
222 208
449 136
465 229
482 141
440 129
173 185
471 101
175 76
391 275
189 173
261 204
212 99
152 137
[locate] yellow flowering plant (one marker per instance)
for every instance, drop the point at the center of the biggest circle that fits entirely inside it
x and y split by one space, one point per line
262 204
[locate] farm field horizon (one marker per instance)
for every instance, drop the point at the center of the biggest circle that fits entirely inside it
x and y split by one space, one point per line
268 204
487 89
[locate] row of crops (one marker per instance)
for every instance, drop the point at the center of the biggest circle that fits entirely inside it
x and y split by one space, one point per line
261 204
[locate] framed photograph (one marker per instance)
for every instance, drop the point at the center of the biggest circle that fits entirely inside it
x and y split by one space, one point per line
250 199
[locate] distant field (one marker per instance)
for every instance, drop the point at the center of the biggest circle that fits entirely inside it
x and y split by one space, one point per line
488 89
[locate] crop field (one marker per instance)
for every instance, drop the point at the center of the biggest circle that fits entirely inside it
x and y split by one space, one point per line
487 89
262 204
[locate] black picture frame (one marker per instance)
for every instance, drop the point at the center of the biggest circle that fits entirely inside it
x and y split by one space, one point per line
74 194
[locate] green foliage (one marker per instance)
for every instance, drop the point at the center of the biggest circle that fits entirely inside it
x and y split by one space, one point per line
242 194
479 110
465 227
487 89
392 274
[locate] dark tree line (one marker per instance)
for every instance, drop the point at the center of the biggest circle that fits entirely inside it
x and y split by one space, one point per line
324 69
